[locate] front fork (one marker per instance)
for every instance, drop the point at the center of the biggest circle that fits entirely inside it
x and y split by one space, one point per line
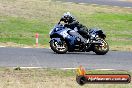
55 39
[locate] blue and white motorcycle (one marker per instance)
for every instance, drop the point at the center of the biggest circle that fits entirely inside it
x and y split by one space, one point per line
64 39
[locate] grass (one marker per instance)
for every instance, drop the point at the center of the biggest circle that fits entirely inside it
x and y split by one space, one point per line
22 31
49 78
21 19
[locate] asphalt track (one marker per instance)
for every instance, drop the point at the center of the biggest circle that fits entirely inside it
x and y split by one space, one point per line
119 3
46 58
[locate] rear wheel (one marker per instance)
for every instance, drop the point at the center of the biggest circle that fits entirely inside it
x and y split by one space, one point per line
101 49
59 47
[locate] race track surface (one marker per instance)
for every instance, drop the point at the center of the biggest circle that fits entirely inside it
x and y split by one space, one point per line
119 3
31 57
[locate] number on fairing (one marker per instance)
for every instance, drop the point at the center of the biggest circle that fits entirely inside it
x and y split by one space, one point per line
64 34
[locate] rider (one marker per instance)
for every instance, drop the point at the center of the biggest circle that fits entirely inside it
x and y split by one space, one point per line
71 22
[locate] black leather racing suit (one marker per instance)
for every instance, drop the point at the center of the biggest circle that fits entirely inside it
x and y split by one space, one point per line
72 23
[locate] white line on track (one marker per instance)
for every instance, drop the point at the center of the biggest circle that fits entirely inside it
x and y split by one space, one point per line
70 68
82 3
93 4
105 69
27 47
2 46
28 67
128 7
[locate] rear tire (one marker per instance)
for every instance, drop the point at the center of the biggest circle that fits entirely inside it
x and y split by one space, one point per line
101 50
59 48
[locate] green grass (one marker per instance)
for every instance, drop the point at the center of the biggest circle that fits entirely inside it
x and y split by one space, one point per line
49 78
20 20
22 31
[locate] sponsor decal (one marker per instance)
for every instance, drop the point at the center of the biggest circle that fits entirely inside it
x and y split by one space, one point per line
83 78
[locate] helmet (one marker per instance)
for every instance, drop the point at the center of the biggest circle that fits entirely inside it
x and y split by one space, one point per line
67 16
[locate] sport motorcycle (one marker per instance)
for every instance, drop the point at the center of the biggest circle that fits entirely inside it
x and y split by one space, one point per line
64 40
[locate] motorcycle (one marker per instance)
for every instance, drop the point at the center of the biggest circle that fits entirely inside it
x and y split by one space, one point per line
64 40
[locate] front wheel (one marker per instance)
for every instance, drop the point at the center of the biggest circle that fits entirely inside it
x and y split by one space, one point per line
59 47
101 49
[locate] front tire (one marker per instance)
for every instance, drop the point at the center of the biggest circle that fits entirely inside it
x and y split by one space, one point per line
60 47
101 49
